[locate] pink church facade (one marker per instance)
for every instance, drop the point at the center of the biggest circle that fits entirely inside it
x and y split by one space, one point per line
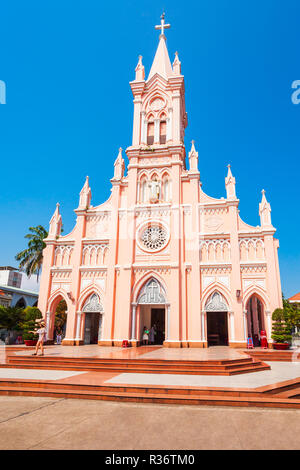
160 251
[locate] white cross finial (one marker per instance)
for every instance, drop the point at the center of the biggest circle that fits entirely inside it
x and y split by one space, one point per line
162 26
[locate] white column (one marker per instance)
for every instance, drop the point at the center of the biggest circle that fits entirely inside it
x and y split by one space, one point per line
232 332
168 321
203 326
133 324
245 324
78 323
144 129
47 325
269 323
169 125
156 131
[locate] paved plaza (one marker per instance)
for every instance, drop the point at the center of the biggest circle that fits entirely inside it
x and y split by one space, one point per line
44 423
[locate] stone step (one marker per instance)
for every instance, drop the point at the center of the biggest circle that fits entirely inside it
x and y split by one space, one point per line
291 393
43 363
96 360
138 396
128 365
168 390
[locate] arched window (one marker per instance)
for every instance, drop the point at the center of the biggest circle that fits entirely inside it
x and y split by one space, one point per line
163 131
166 188
150 133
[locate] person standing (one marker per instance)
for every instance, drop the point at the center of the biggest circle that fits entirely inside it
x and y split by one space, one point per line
152 334
42 332
145 335
58 336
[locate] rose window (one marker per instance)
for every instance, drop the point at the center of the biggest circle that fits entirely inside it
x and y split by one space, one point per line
154 237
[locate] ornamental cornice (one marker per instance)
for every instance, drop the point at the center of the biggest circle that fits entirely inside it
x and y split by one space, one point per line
253 268
87 273
210 235
212 238
160 150
213 269
94 241
58 269
92 268
96 216
213 209
268 232
151 212
254 263
119 182
137 87
150 266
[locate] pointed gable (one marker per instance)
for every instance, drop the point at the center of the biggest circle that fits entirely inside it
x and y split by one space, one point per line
161 64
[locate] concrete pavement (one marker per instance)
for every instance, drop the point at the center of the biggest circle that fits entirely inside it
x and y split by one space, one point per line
46 423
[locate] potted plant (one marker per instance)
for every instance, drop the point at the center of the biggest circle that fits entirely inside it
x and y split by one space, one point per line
29 325
281 332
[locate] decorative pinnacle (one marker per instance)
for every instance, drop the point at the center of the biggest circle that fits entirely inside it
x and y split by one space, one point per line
162 26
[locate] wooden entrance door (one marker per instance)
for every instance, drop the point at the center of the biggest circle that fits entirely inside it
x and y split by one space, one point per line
92 328
217 329
158 320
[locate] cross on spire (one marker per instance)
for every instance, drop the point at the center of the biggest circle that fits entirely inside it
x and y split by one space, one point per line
162 26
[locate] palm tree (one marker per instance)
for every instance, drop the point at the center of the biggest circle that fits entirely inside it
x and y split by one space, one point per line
31 259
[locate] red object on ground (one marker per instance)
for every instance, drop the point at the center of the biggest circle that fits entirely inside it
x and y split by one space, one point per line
263 339
125 343
30 342
281 346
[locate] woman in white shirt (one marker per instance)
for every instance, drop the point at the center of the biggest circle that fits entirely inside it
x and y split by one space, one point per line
42 332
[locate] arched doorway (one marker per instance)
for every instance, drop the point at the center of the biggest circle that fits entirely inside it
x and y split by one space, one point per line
152 312
217 320
93 311
21 303
56 318
255 319
60 321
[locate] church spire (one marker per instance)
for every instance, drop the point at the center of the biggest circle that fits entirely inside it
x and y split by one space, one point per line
265 211
140 71
119 166
176 65
193 159
85 195
55 223
161 63
230 184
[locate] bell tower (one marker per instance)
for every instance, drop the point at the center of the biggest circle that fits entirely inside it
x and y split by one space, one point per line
160 118
157 154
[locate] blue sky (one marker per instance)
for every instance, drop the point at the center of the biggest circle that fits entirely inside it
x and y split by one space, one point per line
67 64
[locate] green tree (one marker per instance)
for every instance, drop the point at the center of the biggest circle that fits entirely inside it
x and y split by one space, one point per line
31 259
60 315
281 331
31 314
11 318
291 314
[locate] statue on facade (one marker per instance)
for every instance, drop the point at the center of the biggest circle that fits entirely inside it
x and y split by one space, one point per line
154 191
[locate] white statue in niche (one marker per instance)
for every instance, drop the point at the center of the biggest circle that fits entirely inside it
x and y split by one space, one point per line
154 186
